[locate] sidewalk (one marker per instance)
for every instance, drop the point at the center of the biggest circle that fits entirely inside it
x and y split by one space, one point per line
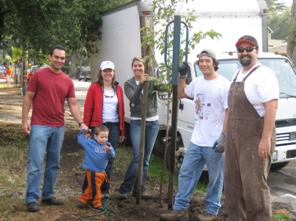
11 104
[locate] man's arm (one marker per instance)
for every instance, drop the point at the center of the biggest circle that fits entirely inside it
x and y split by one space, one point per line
264 149
181 87
27 103
184 69
74 109
225 122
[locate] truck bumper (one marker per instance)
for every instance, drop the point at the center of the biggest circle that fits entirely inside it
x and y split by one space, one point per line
284 153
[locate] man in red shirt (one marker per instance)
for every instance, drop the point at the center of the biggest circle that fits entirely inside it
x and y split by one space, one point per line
47 92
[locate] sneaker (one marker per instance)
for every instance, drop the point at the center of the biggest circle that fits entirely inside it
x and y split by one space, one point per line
53 201
106 195
32 207
99 209
207 217
81 205
175 215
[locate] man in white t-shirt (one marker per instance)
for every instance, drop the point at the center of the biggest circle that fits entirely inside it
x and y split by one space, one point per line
250 140
209 93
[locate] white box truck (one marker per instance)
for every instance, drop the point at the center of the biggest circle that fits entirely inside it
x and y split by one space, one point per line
121 41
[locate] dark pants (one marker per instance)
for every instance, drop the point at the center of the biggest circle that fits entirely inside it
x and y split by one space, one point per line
130 179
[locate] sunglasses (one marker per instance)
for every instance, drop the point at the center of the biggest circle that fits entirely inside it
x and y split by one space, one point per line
248 49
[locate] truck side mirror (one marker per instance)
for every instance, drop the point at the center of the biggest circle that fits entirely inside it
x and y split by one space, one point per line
181 105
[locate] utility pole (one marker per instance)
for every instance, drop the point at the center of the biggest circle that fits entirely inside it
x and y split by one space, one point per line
175 78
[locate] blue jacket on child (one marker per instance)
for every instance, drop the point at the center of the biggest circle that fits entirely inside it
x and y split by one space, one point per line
95 155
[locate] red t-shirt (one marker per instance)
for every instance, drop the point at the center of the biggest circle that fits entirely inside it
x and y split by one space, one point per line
51 90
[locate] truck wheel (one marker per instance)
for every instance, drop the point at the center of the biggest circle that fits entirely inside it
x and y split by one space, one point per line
278 166
159 144
179 156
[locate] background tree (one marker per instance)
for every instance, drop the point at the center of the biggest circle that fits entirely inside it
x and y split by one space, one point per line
37 25
90 23
279 18
292 35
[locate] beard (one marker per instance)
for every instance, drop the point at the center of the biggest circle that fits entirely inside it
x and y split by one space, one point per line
245 60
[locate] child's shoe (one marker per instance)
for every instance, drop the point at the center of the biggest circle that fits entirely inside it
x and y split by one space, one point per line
82 205
99 209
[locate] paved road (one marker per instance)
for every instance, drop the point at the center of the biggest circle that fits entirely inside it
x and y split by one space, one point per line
81 89
283 187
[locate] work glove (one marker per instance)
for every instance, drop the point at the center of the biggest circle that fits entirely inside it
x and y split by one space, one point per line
184 69
219 144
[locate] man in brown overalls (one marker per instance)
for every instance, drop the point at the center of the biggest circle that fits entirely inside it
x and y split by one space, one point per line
250 127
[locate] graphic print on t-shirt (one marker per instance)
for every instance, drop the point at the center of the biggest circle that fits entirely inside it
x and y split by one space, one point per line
100 150
202 106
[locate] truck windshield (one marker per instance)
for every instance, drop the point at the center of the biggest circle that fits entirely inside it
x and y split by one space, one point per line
281 67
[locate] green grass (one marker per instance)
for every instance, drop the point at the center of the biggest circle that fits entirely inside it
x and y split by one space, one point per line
12 159
281 215
12 168
5 85
124 154
155 167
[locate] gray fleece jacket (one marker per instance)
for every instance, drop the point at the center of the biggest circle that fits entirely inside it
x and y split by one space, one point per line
135 96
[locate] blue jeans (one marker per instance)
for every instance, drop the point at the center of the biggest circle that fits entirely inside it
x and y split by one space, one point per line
152 128
113 139
195 159
44 140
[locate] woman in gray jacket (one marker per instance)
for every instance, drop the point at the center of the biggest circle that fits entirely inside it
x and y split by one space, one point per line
134 91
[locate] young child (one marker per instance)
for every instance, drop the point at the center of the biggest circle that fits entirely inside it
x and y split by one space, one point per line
97 152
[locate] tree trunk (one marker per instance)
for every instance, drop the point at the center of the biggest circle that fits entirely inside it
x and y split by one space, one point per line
93 48
73 67
292 36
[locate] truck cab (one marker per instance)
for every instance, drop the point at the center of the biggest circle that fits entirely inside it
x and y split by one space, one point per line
285 149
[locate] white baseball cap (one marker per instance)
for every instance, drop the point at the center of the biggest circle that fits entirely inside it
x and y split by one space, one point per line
107 64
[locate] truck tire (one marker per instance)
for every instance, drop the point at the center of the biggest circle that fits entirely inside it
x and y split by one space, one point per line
278 166
179 156
159 144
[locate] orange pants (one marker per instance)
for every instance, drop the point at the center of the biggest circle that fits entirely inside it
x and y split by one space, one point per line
93 189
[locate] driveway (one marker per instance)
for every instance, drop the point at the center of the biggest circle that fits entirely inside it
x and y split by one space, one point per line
81 90
283 187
